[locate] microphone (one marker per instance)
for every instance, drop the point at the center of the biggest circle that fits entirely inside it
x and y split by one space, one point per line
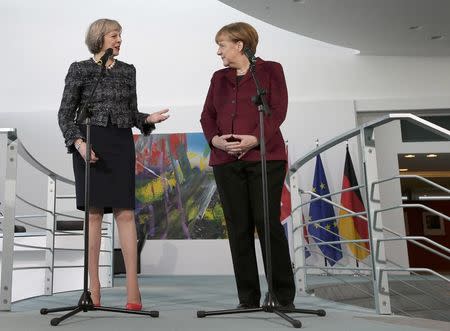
250 55
105 57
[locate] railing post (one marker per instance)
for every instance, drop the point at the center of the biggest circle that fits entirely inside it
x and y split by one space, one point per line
299 250
8 227
50 236
377 247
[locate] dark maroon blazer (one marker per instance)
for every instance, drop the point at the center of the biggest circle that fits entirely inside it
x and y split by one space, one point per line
229 109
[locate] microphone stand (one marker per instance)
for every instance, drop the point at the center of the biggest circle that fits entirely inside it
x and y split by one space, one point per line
270 304
85 303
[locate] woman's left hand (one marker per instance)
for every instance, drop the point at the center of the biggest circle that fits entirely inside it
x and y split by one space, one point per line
247 142
158 116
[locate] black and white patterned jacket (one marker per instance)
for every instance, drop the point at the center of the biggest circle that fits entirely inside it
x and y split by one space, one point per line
115 99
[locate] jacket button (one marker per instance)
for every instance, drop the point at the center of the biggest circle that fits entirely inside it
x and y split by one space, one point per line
233 101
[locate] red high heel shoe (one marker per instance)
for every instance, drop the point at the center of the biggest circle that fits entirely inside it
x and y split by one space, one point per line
134 306
93 302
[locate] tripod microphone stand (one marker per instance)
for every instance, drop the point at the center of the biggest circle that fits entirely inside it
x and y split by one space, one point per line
270 304
85 303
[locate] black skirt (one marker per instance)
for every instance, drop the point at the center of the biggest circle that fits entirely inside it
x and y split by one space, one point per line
112 179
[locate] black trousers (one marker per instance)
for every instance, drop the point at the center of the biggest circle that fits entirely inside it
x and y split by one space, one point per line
240 188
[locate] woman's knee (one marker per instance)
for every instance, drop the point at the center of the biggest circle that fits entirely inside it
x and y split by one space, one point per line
95 214
123 215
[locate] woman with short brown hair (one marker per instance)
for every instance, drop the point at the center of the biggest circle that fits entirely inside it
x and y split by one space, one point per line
230 122
114 112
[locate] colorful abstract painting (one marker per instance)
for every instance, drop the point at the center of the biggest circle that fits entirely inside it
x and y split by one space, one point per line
176 195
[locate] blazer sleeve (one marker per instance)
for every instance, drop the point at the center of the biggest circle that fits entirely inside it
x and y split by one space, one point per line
69 105
278 102
139 118
209 115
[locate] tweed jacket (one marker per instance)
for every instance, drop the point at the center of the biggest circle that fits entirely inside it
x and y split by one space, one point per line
229 109
114 99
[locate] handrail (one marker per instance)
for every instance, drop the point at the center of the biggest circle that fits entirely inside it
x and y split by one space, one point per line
359 274
431 271
410 205
337 217
48 232
372 124
353 188
420 178
33 225
34 247
379 265
26 155
415 242
418 275
408 238
8 130
319 197
323 147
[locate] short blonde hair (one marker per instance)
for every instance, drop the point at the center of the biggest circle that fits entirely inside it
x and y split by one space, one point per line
97 31
240 31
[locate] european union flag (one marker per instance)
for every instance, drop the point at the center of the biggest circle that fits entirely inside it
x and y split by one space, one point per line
325 231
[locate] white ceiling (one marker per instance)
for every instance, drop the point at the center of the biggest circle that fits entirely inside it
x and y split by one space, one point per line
374 27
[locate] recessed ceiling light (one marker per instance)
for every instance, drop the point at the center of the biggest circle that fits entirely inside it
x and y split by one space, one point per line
403 169
409 156
437 37
432 155
299 1
416 27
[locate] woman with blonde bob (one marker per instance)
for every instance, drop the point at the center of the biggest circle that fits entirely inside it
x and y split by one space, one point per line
114 112
230 122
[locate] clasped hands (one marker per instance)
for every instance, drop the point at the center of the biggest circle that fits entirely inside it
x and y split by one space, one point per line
235 144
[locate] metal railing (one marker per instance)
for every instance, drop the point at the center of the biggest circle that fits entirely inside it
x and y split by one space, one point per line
12 243
377 265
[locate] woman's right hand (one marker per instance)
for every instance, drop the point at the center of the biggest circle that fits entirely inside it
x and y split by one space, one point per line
82 151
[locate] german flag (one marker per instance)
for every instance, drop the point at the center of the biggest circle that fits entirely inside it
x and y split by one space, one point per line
353 228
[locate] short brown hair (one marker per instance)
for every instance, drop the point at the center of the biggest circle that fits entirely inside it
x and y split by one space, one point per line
240 31
97 30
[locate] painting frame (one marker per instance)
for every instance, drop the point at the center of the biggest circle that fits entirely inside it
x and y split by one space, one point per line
433 225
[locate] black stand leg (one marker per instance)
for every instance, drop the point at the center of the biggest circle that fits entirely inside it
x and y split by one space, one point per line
270 304
279 310
267 307
85 303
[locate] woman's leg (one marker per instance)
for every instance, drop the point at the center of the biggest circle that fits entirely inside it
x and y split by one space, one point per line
232 186
282 274
95 237
128 242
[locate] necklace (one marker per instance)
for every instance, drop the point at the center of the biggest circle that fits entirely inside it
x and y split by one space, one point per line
108 66
241 72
